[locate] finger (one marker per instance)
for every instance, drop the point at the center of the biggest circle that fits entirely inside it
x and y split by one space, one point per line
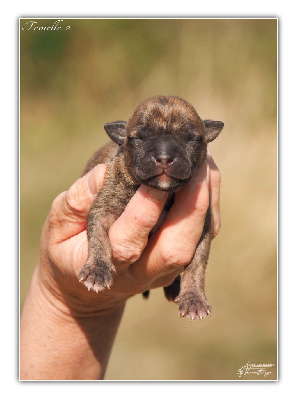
215 180
129 234
70 209
174 245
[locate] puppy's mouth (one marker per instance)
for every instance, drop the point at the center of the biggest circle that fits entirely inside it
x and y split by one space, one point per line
164 181
165 175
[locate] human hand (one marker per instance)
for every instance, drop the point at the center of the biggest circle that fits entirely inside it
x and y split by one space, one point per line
68 332
141 264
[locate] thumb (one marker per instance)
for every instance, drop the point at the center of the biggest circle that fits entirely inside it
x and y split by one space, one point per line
70 209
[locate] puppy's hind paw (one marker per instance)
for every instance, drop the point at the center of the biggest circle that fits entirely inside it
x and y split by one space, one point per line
193 306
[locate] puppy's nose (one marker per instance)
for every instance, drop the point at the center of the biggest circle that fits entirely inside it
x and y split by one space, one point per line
164 160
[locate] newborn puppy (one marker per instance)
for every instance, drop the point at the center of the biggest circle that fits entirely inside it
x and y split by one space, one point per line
162 145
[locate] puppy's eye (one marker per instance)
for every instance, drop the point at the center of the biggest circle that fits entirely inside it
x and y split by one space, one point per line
195 138
141 136
136 140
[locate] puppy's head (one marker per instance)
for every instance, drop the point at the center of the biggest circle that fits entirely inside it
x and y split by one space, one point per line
164 142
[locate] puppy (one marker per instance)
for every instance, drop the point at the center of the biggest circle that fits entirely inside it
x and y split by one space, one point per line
162 145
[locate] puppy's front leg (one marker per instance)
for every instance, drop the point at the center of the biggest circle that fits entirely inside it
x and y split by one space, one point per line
97 271
192 300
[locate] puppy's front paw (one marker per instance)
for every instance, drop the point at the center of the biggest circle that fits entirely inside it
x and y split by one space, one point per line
193 305
97 277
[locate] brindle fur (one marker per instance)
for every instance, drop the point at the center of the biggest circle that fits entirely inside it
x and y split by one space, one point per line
164 134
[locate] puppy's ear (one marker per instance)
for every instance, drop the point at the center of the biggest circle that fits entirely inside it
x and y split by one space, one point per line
212 129
116 131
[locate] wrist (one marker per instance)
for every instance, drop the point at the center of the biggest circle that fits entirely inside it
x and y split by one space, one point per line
62 342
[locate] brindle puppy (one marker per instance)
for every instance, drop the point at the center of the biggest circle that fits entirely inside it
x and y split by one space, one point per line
162 145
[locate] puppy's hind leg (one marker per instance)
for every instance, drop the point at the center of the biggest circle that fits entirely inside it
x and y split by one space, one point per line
192 300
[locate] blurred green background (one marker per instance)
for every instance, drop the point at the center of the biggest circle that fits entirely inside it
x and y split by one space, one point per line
74 81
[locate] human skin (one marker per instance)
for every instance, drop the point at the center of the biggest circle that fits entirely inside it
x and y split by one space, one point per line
67 332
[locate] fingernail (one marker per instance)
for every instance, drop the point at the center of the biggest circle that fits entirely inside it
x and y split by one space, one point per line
95 179
200 179
91 183
155 194
203 174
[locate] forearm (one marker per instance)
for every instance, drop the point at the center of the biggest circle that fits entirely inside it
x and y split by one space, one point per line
55 345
